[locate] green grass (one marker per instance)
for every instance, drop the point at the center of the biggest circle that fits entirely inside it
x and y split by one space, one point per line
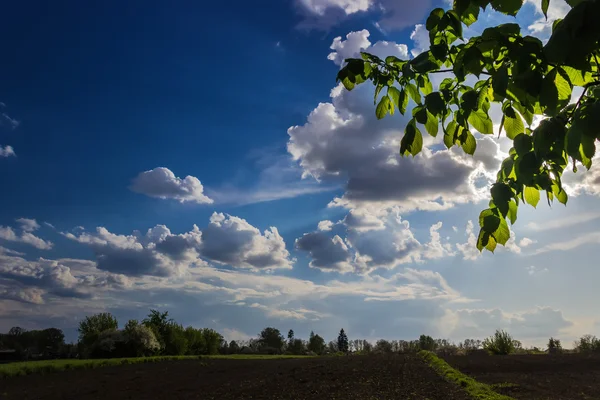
51 366
474 388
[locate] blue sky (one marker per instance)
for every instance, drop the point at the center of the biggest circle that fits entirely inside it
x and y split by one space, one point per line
201 159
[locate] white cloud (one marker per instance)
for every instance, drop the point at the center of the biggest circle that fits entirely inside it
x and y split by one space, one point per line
531 325
527 242
533 270
372 241
7 233
279 178
566 245
299 314
542 27
325 226
420 37
226 240
232 240
28 225
343 142
32 281
562 223
7 151
163 184
390 14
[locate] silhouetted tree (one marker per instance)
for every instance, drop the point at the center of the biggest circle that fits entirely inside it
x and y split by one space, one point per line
271 340
316 343
342 341
426 342
92 326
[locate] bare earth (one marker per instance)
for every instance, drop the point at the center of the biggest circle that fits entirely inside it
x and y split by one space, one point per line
365 377
536 377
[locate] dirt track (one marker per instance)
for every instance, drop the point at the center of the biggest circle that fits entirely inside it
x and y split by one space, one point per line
564 377
365 378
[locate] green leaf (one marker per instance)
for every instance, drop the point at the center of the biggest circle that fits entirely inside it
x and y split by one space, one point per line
560 194
435 103
425 84
545 4
522 144
500 81
578 77
531 195
513 125
403 102
527 166
502 234
412 141
420 114
431 125
454 23
481 121
434 18
383 107
502 194
510 7
556 91
413 92
491 223
512 212
470 144
469 100
587 150
394 95
449 134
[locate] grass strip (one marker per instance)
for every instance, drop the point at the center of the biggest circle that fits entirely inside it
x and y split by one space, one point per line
51 366
474 388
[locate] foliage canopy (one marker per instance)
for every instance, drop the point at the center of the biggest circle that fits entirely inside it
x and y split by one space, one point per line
521 74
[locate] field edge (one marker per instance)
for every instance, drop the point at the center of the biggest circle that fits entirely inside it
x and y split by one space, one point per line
474 388
53 366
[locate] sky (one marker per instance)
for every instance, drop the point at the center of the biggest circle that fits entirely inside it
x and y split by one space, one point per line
201 159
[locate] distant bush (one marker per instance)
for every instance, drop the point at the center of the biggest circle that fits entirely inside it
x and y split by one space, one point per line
426 343
501 343
587 343
554 346
141 341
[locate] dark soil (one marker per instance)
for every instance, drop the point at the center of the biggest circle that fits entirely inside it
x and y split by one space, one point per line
364 377
535 377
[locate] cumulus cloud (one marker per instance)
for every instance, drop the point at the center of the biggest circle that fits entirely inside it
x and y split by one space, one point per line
27 226
372 241
233 241
342 141
326 253
163 184
7 151
325 226
420 37
31 281
390 14
542 27
226 240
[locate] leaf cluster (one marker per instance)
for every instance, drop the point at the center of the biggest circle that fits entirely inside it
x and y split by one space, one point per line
525 77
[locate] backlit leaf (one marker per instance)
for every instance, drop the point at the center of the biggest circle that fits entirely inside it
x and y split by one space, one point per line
531 195
481 121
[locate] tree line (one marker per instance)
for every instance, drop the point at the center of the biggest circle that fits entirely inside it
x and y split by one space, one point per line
158 334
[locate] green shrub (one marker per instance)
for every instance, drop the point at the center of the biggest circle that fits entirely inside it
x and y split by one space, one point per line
554 346
500 344
587 343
